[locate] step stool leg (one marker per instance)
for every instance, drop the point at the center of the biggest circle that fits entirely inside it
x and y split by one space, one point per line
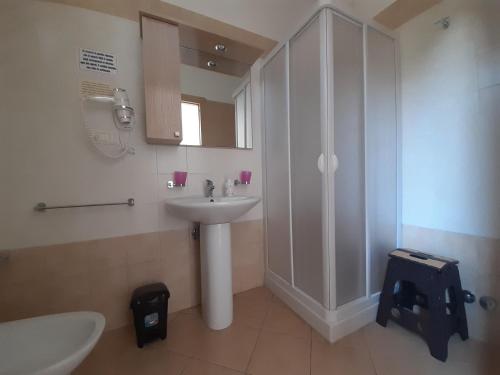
438 333
462 328
386 296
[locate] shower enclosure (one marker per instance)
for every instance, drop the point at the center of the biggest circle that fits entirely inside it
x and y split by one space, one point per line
331 159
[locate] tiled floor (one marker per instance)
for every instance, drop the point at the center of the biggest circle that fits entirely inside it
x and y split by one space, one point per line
267 338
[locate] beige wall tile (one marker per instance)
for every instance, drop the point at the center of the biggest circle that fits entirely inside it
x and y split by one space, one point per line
71 293
247 255
23 265
106 253
144 273
109 295
24 300
101 274
66 260
142 248
479 267
181 264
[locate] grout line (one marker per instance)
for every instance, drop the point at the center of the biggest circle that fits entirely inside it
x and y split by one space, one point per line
187 362
258 336
367 344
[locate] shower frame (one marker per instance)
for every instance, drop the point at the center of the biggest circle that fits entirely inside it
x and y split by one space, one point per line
331 319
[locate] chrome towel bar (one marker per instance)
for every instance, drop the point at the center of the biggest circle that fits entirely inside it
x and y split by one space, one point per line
42 206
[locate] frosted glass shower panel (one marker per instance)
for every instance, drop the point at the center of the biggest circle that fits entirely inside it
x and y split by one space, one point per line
381 143
305 149
277 171
349 148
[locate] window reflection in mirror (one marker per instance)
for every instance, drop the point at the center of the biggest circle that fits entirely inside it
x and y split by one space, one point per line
191 123
216 109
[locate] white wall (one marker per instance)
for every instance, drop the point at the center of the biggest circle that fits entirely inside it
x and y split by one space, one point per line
44 152
451 118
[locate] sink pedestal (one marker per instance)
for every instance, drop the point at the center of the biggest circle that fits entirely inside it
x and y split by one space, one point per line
216 275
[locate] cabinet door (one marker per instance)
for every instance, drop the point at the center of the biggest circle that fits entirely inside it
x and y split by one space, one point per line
275 102
161 64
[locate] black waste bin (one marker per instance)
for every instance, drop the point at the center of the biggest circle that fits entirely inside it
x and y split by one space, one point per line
150 306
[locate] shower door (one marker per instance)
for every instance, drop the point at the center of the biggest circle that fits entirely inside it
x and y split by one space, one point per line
307 159
346 43
382 153
331 145
275 116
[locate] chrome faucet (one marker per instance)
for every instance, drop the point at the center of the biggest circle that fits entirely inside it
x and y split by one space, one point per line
210 188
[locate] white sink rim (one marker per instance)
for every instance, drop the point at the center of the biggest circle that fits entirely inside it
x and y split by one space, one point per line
206 210
66 362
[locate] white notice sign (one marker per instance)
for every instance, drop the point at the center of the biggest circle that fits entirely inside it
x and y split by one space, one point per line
97 61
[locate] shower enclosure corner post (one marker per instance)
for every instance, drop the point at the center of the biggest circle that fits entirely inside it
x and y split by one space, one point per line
329 177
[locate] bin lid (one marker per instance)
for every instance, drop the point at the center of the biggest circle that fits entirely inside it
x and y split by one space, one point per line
149 291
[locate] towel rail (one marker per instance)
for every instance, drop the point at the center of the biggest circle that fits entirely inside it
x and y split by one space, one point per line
42 206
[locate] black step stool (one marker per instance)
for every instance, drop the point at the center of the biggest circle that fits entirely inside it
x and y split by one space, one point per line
423 293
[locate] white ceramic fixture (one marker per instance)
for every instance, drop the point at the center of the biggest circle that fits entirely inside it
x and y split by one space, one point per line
214 216
48 345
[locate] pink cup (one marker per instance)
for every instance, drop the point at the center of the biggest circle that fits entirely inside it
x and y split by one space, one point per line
180 178
245 177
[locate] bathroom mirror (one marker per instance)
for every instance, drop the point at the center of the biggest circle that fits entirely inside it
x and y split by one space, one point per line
216 108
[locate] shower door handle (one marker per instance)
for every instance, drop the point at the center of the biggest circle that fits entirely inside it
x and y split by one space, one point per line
335 163
321 163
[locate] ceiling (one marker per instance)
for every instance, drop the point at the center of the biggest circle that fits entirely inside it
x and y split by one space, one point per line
369 8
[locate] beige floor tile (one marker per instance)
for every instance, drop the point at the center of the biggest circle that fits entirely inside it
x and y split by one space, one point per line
393 340
251 307
230 347
197 367
281 319
354 340
345 357
153 359
284 345
117 354
418 364
395 351
185 332
108 349
470 351
278 354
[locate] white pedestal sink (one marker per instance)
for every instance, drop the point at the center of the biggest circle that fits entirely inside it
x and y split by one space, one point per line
214 216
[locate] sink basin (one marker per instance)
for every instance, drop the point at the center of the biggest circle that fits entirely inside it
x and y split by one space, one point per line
48 345
217 210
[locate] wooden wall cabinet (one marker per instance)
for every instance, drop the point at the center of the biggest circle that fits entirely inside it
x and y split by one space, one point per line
162 86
